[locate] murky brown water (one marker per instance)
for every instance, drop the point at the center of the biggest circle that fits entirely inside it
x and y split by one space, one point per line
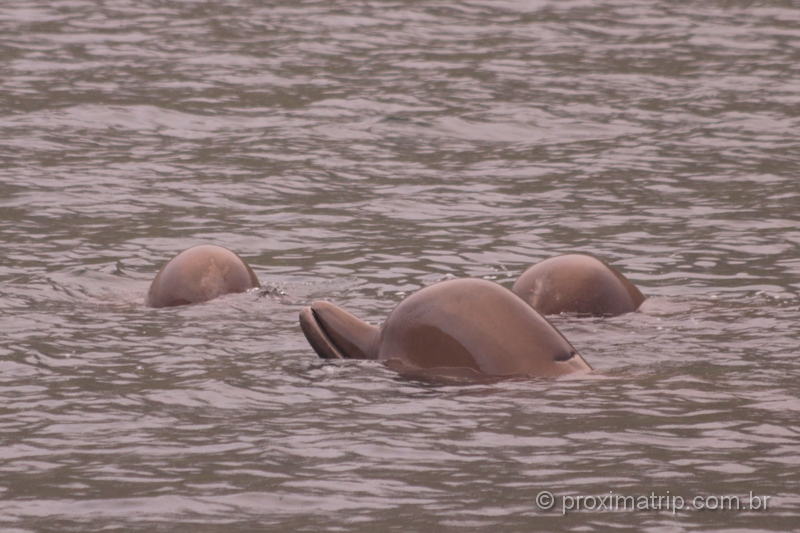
357 151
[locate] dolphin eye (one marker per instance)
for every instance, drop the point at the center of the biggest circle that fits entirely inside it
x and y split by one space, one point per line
565 356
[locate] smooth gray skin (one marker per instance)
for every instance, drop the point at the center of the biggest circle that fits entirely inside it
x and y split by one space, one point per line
199 274
577 283
458 328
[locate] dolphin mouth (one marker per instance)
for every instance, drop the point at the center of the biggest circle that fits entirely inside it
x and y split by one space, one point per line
336 334
319 339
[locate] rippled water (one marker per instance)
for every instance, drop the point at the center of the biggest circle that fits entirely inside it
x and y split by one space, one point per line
358 151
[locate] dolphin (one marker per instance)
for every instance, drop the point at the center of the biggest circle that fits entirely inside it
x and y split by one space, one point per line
458 328
199 274
577 283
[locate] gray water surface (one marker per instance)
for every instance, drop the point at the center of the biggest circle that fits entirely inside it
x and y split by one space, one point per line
356 152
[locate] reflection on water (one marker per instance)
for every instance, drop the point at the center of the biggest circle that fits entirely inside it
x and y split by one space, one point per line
358 152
